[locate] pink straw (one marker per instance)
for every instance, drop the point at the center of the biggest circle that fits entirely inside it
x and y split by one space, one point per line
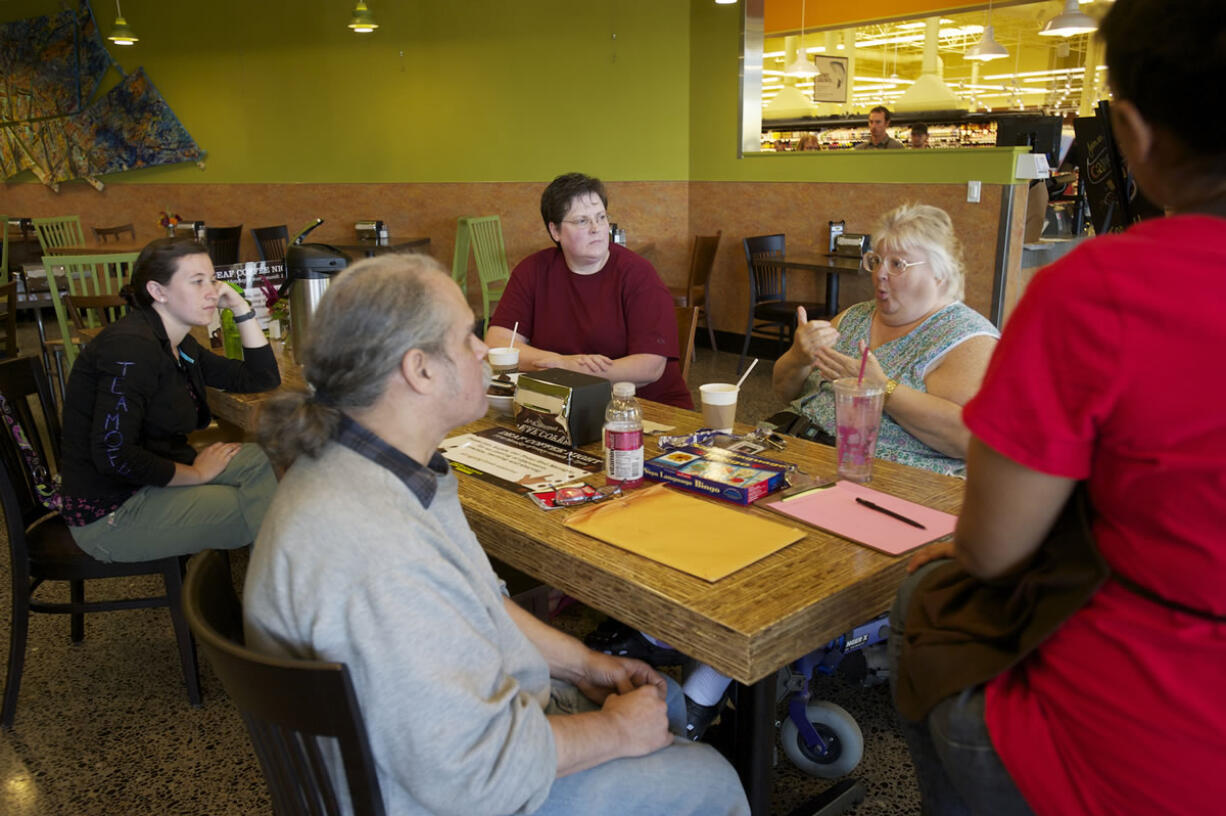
863 363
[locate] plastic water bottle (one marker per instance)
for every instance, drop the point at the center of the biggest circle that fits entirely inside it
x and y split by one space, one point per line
623 438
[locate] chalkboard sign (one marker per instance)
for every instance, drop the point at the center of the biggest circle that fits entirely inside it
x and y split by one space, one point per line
1114 199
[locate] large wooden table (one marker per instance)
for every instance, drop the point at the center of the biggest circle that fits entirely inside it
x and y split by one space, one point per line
748 625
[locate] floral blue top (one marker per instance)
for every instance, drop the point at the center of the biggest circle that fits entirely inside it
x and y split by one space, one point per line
907 359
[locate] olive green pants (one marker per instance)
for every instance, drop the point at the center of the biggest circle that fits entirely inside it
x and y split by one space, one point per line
158 522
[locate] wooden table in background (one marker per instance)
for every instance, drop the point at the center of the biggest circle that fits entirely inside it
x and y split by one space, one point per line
369 249
831 265
747 625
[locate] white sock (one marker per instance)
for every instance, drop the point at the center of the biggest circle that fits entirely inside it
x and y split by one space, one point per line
705 685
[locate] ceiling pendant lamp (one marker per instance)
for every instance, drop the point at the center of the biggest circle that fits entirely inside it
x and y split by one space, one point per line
1069 22
802 66
363 21
987 48
121 34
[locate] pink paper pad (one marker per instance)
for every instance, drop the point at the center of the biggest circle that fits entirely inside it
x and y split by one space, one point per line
834 509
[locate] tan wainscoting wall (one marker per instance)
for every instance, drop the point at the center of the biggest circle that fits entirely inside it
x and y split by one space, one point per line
660 219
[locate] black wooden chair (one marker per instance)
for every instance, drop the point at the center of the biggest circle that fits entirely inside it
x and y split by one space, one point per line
222 244
768 292
291 707
40 546
271 242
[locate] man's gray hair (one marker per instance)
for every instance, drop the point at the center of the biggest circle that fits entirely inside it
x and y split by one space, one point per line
369 318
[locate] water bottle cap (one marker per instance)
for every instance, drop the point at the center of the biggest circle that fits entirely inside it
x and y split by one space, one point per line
623 389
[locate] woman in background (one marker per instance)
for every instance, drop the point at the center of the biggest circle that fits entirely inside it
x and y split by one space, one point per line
133 488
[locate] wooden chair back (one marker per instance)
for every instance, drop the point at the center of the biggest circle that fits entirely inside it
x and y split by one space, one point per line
4 249
687 323
491 256
84 275
292 708
104 234
767 280
459 258
702 261
271 242
94 311
8 301
62 231
222 244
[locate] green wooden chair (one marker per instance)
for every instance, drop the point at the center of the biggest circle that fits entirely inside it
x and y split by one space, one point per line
61 231
491 254
82 275
459 259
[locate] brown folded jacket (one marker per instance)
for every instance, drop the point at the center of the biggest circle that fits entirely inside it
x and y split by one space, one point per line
962 631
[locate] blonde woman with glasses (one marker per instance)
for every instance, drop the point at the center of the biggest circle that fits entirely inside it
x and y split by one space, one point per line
927 349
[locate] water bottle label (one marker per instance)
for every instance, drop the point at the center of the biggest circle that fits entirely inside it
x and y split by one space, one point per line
623 455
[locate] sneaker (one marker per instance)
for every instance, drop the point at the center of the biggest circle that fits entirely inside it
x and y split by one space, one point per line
698 717
615 638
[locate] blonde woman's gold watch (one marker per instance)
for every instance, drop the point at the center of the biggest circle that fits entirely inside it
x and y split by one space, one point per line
890 385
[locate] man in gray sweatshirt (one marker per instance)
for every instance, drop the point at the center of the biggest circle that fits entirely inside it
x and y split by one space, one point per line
472 705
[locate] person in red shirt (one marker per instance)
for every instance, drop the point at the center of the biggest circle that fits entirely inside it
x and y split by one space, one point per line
1107 374
589 305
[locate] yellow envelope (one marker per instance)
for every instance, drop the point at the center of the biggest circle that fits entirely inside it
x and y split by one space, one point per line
695 536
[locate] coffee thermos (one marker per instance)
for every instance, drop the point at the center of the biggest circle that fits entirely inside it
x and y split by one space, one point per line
309 269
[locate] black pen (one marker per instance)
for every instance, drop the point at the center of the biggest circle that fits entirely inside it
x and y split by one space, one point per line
889 513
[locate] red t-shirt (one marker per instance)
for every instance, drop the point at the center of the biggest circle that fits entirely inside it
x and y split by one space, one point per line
1110 370
623 309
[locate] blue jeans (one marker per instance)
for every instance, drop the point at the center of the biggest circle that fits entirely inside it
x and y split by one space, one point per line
683 778
958 769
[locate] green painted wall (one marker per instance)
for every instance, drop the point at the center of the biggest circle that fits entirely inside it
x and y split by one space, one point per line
468 91
714 102
445 90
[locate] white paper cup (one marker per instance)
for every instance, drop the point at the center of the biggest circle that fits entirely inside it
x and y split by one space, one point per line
503 360
718 405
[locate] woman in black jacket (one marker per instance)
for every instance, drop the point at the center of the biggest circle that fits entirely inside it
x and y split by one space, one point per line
133 488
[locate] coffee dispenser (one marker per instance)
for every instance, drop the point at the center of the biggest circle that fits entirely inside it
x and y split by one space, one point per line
309 269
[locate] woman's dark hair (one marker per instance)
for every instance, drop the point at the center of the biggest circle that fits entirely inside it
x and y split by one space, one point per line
158 261
1164 57
555 201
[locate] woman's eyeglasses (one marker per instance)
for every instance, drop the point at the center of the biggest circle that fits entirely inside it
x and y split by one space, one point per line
584 222
894 265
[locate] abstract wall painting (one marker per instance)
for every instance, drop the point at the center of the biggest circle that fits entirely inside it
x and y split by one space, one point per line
50 123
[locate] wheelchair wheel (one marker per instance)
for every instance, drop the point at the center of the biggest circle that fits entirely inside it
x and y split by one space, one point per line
845 743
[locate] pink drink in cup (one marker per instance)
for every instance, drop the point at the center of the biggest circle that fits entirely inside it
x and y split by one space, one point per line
857 412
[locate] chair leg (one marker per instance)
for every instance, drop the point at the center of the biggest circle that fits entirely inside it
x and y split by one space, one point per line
17 657
745 346
706 318
187 644
76 591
